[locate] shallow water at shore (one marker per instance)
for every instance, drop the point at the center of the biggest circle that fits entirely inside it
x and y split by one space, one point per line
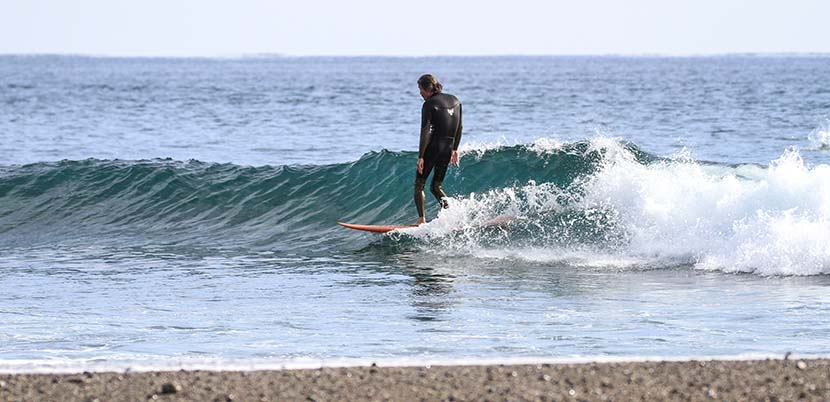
121 309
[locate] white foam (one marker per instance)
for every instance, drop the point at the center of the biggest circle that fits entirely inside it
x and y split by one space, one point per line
819 138
773 221
190 364
778 224
546 145
576 257
477 148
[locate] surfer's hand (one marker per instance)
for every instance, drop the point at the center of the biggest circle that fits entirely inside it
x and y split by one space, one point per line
420 165
454 159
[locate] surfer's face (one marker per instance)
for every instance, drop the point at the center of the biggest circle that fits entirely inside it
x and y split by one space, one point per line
424 94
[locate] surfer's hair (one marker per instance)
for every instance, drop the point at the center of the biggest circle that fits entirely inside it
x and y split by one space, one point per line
429 83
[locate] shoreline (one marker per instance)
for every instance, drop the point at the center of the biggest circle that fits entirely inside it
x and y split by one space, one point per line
782 379
255 364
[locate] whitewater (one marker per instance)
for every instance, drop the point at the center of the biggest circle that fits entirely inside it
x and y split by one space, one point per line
769 220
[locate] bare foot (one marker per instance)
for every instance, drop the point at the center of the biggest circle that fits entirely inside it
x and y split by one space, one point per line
421 221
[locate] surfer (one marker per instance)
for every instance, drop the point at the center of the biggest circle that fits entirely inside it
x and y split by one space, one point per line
440 136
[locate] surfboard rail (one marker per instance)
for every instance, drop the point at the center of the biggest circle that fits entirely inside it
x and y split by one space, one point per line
375 228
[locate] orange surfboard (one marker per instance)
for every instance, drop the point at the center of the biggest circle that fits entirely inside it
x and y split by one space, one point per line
375 228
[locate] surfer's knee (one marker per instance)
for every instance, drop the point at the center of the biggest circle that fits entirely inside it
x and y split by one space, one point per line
420 184
437 188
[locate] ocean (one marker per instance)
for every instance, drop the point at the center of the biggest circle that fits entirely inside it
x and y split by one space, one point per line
181 212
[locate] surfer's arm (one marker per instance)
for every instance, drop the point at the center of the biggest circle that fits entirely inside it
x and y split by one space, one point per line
425 123
454 157
458 132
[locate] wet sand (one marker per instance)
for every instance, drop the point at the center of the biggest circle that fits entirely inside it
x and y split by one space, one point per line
772 380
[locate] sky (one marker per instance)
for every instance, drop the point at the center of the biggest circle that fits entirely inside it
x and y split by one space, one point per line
412 28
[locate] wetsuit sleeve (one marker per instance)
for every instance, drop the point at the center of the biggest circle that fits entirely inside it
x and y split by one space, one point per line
458 132
425 123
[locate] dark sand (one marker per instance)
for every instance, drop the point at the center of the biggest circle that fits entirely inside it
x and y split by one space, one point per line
772 380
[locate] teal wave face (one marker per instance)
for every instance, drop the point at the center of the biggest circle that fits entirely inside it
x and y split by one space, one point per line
283 207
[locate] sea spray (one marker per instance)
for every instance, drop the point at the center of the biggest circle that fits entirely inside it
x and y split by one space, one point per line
819 138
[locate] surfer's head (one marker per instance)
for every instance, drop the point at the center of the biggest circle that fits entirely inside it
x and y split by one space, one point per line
429 86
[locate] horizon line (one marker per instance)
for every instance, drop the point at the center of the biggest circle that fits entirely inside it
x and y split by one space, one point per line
413 56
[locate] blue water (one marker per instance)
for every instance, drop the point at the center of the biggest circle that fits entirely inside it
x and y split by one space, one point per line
183 210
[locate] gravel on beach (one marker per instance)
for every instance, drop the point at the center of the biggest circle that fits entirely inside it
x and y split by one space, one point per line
696 380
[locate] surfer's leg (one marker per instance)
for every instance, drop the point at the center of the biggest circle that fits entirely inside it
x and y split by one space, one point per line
420 183
443 155
419 196
436 187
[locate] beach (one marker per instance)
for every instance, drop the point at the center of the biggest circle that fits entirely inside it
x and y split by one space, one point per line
694 380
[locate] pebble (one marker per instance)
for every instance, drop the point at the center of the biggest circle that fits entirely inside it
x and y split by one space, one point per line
170 388
801 364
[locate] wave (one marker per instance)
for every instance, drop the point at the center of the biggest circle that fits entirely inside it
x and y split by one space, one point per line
195 201
596 203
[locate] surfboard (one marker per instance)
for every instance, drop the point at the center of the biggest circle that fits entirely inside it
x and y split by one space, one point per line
375 228
501 220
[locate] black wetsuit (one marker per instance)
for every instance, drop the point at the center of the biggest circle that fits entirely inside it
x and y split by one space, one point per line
440 136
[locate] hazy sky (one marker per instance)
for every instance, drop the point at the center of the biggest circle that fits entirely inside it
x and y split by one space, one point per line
390 27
